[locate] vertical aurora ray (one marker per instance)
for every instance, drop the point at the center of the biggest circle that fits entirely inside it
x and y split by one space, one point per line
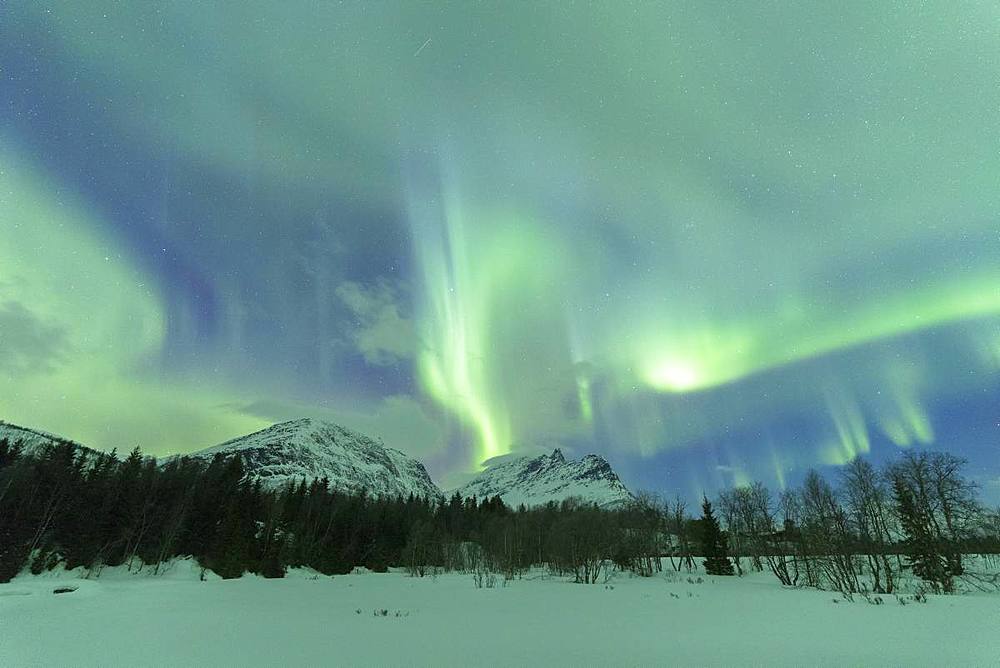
485 280
584 397
851 429
905 421
649 254
778 468
452 363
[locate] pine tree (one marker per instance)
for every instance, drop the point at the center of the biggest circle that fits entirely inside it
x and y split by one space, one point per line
15 509
714 545
922 553
9 452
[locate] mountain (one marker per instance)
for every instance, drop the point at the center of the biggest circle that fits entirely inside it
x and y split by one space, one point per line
34 440
313 449
536 481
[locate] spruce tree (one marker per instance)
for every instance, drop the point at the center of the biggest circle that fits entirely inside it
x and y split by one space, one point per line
9 452
923 555
714 545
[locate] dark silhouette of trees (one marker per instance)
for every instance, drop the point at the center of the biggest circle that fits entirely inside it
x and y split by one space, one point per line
918 513
943 503
869 507
91 510
680 533
922 554
713 543
63 504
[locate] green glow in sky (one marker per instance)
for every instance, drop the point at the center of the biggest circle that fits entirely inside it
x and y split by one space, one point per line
467 272
81 324
760 234
690 362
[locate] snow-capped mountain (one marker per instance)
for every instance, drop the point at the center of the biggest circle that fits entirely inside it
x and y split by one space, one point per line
535 481
34 440
314 449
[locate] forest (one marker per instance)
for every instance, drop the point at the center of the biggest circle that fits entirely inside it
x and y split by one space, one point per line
859 534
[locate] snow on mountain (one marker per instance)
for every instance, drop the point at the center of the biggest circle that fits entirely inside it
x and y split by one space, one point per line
34 440
314 449
536 481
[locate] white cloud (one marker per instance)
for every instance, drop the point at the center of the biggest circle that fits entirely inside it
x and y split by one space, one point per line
382 335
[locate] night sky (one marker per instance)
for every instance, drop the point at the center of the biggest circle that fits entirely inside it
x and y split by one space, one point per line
715 242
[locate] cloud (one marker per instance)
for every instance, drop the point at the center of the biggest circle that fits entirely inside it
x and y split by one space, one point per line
27 342
380 333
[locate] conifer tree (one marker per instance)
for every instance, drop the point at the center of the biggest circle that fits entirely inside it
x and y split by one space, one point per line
59 504
714 545
923 555
9 452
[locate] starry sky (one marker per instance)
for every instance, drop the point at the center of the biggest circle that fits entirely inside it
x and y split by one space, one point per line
714 242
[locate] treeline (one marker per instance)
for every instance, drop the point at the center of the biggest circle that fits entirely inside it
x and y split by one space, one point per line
63 505
920 514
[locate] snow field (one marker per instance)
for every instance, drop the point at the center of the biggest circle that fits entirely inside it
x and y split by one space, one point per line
121 619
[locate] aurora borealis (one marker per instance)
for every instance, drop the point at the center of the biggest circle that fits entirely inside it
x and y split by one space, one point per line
714 243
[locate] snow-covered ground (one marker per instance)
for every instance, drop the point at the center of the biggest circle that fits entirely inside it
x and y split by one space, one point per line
178 620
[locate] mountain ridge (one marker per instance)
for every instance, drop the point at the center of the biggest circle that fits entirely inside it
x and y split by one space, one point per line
310 449
314 449
34 440
534 481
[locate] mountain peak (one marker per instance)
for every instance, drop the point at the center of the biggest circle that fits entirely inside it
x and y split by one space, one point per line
303 422
313 449
534 481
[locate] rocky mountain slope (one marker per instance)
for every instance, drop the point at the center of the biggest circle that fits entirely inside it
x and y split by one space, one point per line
32 439
535 481
313 449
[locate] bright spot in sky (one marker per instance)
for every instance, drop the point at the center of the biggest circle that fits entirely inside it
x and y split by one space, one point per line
714 242
674 375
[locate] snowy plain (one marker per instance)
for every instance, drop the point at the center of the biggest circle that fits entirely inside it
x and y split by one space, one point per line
175 619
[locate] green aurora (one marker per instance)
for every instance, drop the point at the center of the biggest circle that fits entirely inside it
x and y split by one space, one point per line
721 241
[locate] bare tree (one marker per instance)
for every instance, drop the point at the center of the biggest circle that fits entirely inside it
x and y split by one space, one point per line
869 506
640 542
729 510
756 518
677 524
827 534
783 551
956 500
